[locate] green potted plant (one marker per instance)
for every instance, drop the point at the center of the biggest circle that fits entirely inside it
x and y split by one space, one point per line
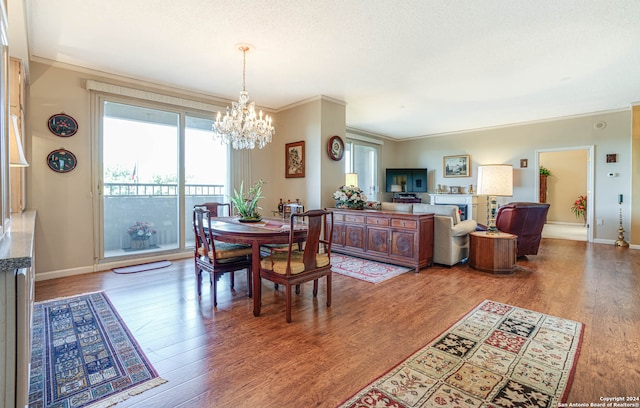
544 171
246 204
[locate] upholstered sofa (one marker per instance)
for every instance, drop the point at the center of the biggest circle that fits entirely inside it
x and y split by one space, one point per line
450 235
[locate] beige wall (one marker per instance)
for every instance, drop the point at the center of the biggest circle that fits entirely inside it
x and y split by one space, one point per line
567 181
510 144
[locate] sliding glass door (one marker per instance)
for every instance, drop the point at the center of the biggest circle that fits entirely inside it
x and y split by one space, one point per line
155 165
140 179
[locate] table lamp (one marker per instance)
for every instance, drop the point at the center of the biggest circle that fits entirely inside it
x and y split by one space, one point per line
495 180
351 179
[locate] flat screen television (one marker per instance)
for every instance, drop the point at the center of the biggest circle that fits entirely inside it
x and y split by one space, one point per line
409 180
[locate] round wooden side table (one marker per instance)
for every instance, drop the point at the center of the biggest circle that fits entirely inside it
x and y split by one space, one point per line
492 252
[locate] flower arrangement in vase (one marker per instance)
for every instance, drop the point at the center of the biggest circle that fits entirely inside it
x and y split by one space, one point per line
246 204
350 197
579 207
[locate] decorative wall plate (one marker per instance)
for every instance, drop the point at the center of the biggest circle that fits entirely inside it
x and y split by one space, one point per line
62 125
62 161
335 148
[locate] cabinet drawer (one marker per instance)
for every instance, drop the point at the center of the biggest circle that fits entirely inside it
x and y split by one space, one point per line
338 217
356 219
378 221
404 223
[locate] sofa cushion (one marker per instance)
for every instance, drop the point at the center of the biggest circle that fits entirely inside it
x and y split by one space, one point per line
445 210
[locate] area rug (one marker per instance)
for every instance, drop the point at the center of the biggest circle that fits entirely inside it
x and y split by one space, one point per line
142 267
369 271
496 356
83 355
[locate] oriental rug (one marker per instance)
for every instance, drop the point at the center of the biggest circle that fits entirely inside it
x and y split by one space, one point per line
369 271
495 356
83 355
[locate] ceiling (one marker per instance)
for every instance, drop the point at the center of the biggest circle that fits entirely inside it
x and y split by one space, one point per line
404 68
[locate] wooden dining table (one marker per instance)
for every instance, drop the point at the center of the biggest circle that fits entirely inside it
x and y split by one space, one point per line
266 231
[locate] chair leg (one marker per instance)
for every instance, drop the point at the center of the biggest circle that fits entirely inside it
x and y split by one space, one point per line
329 290
249 283
215 290
297 289
199 282
315 287
288 302
232 279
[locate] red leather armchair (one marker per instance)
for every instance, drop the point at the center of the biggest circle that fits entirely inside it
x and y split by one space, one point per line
526 221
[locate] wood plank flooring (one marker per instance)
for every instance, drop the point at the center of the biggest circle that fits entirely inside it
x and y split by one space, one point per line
226 357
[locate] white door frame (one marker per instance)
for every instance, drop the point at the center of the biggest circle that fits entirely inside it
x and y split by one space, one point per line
590 180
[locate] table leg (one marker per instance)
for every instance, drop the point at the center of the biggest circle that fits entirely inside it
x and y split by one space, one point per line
257 284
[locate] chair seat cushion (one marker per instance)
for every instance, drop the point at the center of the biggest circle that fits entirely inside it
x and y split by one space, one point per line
227 250
277 262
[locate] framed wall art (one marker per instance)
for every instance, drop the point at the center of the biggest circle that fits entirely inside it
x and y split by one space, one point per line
456 166
294 159
62 160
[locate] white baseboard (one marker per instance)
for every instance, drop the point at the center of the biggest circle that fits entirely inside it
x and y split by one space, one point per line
109 265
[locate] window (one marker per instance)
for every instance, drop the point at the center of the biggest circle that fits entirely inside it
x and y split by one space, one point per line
362 158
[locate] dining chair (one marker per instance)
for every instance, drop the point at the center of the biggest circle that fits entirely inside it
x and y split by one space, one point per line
217 257
291 266
217 209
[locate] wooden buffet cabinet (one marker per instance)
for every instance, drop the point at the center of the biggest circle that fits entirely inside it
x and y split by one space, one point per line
392 237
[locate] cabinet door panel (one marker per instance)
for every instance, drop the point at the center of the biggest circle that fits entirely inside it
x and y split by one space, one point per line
354 236
338 235
377 240
403 244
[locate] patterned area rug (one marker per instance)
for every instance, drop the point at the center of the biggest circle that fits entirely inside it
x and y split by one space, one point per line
370 271
495 356
83 355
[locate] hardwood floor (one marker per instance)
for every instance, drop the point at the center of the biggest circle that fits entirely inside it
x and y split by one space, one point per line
228 358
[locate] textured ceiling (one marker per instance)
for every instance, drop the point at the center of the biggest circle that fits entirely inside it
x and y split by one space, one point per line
405 68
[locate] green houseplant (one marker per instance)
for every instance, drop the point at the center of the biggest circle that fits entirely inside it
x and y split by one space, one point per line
544 171
246 204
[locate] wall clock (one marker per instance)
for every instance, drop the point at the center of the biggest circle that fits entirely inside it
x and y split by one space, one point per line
62 125
62 161
335 148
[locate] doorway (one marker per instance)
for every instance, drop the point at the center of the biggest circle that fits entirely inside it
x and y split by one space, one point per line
571 177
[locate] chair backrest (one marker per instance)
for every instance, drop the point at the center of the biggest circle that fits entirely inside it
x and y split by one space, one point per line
317 222
291 208
525 220
201 215
217 209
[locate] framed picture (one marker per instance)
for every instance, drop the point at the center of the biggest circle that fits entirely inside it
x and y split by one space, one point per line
456 166
294 159
612 158
524 163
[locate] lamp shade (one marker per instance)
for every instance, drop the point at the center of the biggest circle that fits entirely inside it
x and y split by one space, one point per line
396 188
495 180
16 154
351 179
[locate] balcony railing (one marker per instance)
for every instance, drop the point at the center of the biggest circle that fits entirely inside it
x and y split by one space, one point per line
143 189
156 204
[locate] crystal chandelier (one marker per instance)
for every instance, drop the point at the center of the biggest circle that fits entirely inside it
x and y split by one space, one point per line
241 126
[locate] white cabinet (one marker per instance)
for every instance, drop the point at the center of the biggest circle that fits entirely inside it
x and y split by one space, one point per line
16 299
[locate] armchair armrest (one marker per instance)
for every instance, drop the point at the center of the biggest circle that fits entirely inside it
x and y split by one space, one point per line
463 228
